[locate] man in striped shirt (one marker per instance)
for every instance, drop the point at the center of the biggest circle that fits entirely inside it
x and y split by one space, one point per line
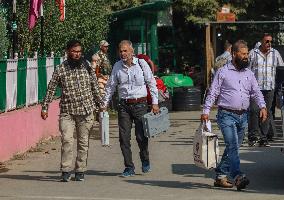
263 62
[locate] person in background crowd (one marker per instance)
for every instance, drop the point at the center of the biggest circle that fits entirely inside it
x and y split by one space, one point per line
79 93
233 86
101 64
131 80
223 59
263 62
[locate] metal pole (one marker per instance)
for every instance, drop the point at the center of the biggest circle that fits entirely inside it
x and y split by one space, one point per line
14 29
41 31
208 55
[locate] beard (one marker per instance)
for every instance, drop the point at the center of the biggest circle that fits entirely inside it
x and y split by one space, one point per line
241 63
75 62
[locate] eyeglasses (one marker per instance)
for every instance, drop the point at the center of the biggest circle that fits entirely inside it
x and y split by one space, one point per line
76 52
268 41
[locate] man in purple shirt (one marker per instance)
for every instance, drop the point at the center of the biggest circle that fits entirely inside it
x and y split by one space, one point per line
233 86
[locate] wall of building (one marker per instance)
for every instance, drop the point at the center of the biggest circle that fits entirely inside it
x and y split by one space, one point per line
22 129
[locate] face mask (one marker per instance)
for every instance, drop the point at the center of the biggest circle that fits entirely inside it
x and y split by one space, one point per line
74 62
241 63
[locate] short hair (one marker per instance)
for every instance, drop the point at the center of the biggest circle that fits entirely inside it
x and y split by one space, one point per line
72 43
227 45
127 42
238 45
266 35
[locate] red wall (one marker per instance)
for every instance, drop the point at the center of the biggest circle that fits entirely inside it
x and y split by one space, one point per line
22 129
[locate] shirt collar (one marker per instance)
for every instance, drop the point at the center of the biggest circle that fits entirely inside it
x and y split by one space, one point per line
232 67
259 52
134 62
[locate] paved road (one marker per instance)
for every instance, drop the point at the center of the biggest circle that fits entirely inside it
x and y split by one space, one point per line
174 175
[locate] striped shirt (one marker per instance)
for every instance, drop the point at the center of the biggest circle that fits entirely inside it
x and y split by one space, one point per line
79 89
264 67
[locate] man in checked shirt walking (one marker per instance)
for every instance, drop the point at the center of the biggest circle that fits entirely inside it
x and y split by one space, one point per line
79 88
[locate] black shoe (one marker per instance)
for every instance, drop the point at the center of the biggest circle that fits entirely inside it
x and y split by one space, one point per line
264 143
65 177
241 182
270 137
252 143
79 176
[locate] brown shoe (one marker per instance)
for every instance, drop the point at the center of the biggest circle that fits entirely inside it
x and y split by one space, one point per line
224 183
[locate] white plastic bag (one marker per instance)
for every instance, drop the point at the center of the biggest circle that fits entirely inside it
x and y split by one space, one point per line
104 128
205 147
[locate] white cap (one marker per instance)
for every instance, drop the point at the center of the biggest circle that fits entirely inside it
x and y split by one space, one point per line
104 43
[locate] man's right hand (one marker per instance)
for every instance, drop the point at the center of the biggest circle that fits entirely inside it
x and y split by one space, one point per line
44 114
204 117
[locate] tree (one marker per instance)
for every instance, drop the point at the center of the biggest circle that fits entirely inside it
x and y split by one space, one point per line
3 34
85 20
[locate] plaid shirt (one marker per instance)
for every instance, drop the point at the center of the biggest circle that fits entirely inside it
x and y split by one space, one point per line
79 89
264 67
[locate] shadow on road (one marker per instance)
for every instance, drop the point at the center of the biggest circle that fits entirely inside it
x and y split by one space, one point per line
170 184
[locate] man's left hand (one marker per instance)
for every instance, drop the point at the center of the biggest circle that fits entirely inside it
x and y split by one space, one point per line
155 108
263 114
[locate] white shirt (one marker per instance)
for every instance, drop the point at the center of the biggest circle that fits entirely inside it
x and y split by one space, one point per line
131 81
264 67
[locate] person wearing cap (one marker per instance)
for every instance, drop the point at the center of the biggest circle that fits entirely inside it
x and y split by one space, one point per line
101 65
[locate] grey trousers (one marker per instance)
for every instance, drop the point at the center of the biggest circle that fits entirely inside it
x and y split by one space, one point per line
255 126
81 124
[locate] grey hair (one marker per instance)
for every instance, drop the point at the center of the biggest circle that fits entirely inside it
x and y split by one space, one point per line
125 42
238 45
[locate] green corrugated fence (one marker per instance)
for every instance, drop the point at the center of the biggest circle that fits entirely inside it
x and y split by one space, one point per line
3 67
29 82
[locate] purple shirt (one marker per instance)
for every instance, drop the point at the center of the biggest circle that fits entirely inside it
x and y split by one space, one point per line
233 89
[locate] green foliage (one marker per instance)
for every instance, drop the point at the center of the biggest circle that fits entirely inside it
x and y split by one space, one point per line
84 20
122 4
199 11
3 35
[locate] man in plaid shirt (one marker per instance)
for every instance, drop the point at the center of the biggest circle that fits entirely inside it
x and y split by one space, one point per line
80 92
263 62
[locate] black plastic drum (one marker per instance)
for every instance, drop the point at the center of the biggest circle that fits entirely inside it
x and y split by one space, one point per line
186 99
279 75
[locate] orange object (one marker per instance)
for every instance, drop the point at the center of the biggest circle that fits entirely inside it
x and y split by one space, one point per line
226 17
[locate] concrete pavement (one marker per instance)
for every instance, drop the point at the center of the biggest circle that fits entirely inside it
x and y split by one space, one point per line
173 176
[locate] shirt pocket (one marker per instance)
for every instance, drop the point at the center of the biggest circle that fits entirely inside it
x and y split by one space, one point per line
138 78
122 78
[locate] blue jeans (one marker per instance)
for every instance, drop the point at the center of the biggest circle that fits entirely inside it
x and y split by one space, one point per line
232 127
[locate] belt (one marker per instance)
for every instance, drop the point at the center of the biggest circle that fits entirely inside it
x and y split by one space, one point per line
137 100
238 112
